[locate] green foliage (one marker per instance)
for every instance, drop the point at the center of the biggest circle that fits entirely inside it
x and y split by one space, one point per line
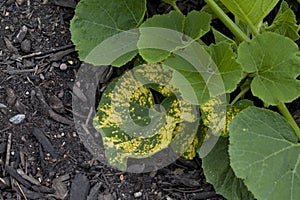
274 68
217 169
251 12
257 60
194 25
95 21
285 22
264 152
229 68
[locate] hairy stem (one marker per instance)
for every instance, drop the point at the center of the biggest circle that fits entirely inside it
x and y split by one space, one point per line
285 112
227 21
174 5
242 93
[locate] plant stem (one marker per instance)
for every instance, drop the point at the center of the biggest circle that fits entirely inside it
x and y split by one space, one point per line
174 5
242 93
227 21
285 112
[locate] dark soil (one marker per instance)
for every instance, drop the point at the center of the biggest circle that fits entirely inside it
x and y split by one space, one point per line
42 157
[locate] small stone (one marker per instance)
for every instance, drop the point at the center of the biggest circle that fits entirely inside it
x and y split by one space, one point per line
137 194
2 106
42 77
17 119
26 46
21 35
55 64
61 94
71 62
63 66
20 2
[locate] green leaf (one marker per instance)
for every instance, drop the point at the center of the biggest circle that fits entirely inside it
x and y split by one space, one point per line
166 40
218 172
196 24
95 21
265 153
275 67
220 37
192 82
150 37
251 12
225 59
285 22
229 72
195 86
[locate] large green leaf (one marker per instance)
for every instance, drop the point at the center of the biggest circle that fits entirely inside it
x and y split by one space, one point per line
95 21
218 172
251 12
285 22
156 45
273 61
265 153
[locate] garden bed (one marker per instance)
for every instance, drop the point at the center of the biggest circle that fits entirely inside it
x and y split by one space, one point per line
44 147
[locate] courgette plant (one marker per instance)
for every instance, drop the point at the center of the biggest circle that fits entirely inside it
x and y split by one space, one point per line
258 153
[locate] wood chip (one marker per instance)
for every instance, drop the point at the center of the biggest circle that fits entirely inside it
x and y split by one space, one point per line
44 141
80 187
9 45
13 173
31 194
93 195
56 104
46 109
28 178
11 97
65 3
61 190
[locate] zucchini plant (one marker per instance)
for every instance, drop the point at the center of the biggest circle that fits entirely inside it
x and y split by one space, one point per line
257 155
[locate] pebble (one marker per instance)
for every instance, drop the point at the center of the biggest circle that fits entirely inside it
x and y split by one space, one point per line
137 194
21 35
17 119
2 106
26 46
63 66
20 2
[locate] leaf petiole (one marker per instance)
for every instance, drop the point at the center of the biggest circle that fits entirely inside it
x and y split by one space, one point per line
174 5
287 115
227 21
242 93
